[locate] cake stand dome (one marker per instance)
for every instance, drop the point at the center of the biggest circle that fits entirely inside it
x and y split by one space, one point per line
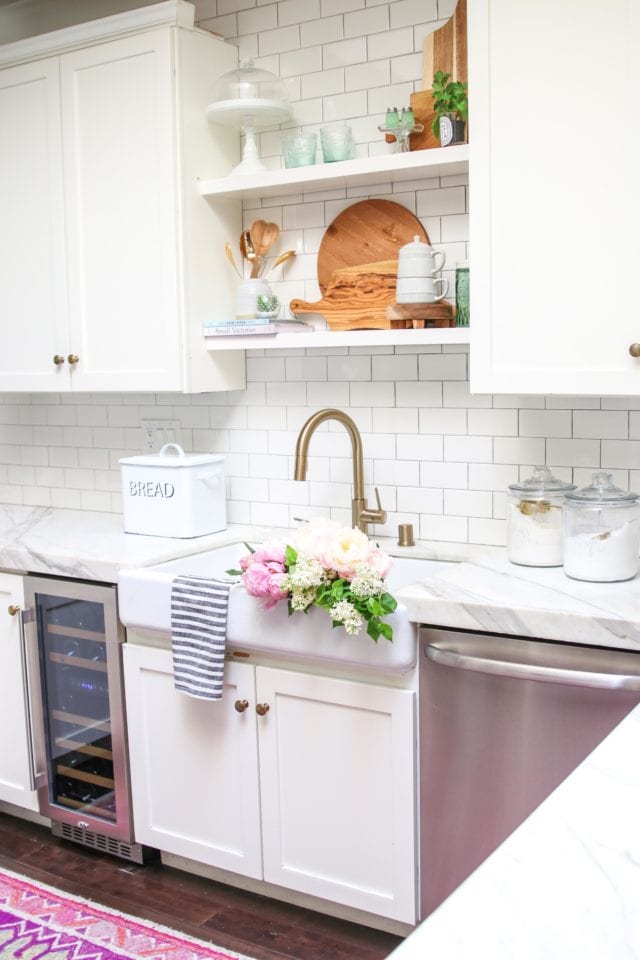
249 97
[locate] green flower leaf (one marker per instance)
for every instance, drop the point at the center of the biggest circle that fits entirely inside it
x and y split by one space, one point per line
290 556
234 573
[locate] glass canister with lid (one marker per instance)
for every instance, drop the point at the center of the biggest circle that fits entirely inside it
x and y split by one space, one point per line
601 532
534 519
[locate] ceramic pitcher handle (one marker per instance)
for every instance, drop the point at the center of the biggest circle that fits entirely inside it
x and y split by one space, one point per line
437 267
445 290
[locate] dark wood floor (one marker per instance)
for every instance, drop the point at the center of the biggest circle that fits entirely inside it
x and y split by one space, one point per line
257 926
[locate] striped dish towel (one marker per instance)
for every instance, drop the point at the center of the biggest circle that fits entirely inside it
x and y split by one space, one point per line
198 635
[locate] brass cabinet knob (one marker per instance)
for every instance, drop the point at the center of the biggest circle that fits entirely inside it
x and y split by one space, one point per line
73 359
634 350
13 609
262 708
58 359
241 705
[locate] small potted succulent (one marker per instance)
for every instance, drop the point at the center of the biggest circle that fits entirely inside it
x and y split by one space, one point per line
451 107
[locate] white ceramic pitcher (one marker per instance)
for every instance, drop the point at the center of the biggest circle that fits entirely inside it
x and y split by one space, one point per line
418 260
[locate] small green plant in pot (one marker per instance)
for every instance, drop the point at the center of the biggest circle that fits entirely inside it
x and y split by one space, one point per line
451 106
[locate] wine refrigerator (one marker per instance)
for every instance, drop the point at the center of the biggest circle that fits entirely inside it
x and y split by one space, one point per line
73 659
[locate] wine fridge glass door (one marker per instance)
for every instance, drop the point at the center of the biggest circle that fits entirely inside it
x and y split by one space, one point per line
83 748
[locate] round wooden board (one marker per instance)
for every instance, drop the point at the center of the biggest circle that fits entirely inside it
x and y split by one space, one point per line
366 232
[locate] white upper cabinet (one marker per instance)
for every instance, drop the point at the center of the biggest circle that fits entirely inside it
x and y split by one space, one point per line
33 306
111 260
555 196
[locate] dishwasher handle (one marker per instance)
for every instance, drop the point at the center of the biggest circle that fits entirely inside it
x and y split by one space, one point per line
602 680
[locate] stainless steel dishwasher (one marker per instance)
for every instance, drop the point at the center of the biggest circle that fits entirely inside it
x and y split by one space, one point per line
503 721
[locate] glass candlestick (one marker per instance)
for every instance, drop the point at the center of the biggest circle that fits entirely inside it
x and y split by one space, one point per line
402 134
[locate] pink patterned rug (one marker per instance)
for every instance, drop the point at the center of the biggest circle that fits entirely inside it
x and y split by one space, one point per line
40 923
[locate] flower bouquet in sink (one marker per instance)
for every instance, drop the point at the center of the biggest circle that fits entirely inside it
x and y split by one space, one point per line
335 568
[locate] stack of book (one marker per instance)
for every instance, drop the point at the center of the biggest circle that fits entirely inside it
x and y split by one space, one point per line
238 328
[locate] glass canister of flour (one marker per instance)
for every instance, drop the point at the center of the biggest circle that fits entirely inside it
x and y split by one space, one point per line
534 519
601 532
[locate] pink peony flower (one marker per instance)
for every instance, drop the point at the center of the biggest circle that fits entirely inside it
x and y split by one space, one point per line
269 552
246 561
380 561
264 580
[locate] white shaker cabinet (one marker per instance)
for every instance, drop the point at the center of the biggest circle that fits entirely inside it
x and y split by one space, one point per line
304 781
111 261
15 737
554 196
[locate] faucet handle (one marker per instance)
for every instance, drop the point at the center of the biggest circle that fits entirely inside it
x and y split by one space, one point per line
370 515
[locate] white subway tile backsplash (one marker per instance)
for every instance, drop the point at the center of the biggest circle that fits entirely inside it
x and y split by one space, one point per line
436 203
424 393
327 30
297 11
345 105
279 41
468 503
619 453
420 446
394 420
442 457
453 529
495 423
394 43
325 83
420 500
343 53
575 453
545 423
409 12
443 420
367 393
362 76
492 532
365 22
599 424
442 366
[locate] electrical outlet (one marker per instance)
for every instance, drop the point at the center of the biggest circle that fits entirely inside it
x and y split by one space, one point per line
155 433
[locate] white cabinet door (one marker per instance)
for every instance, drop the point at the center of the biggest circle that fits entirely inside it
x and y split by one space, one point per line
194 765
14 728
555 203
337 786
32 260
118 121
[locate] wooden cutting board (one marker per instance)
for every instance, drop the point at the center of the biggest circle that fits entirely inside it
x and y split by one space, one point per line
444 49
366 232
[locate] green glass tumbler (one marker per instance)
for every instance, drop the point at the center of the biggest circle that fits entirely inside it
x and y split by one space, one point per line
462 295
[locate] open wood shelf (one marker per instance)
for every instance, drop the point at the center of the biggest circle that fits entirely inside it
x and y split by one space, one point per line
340 338
386 168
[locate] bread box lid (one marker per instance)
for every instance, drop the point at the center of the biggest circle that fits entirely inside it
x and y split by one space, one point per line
182 459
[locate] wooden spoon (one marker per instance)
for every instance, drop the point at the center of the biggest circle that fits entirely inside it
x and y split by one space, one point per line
263 235
231 258
281 259
247 246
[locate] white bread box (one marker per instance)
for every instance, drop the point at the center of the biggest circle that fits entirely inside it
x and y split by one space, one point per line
173 495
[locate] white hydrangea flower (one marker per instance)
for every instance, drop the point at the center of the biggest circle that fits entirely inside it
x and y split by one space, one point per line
367 583
301 599
345 613
308 572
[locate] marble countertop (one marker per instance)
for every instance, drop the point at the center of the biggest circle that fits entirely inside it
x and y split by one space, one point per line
94 546
565 885
491 594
